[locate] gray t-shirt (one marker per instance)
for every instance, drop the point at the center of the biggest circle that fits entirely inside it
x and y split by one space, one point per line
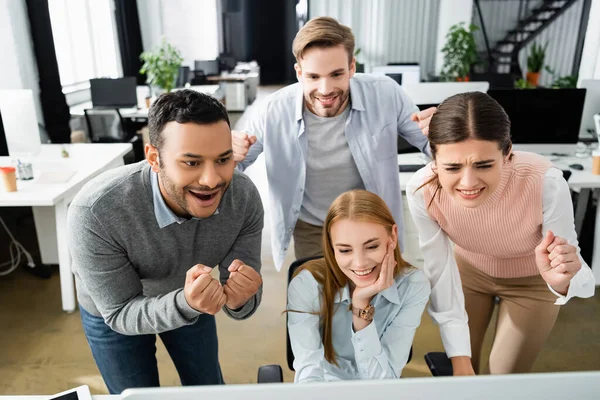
330 168
132 272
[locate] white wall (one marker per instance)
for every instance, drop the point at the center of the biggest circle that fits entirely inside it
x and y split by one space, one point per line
590 60
451 12
18 69
189 25
387 30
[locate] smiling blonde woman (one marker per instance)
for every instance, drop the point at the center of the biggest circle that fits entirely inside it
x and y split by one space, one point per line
353 314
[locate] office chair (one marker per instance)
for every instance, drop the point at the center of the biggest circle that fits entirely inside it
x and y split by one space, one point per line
437 362
106 125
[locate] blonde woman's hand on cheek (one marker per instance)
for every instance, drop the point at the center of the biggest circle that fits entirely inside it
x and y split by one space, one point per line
361 297
557 261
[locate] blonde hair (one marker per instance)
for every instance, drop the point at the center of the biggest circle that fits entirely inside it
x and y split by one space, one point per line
323 32
356 205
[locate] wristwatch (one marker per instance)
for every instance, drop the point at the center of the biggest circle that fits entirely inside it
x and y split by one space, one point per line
366 313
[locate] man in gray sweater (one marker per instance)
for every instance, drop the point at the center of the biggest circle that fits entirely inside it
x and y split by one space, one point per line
144 239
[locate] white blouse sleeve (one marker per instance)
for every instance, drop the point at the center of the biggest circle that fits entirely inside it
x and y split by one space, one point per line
558 218
447 307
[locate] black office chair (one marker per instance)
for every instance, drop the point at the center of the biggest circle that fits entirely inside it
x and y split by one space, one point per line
438 363
106 125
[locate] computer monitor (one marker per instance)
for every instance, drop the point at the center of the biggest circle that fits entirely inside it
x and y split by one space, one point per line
436 92
209 67
590 107
114 93
20 123
403 74
543 119
547 386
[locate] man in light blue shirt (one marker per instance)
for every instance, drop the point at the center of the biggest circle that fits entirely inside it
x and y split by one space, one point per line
333 131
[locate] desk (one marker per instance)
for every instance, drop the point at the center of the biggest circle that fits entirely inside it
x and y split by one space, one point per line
142 111
582 181
25 397
50 201
240 89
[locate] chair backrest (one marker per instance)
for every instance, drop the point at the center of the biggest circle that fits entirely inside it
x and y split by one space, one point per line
105 125
293 267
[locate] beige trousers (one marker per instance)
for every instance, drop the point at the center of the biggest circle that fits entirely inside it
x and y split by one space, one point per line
526 315
307 240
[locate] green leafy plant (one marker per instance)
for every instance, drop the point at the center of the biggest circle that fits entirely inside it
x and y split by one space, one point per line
523 84
460 52
535 60
562 82
360 67
161 65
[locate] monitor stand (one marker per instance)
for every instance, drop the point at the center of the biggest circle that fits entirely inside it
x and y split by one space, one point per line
3 142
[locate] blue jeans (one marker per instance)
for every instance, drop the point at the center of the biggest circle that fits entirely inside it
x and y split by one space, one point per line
130 361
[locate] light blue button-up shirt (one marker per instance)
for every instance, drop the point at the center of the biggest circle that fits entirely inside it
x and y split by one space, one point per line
378 351
163 214
380 112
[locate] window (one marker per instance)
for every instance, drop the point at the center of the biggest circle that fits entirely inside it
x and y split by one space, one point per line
85 40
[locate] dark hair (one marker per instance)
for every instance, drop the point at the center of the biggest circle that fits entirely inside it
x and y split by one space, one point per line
323 32
464 116
183 106
472 115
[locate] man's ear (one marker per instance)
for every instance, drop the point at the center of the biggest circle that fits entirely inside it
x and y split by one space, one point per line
434 167
152 156
352 67
298 69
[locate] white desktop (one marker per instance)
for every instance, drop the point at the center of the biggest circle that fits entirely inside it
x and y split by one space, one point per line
547 386
590 107
20 123
437 92
403 74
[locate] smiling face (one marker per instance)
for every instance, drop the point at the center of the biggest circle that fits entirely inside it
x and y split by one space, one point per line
469 171
359 248
325 76
195 166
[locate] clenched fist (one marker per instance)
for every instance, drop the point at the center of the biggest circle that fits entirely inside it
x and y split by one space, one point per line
203 292
557 261
241 144
243 283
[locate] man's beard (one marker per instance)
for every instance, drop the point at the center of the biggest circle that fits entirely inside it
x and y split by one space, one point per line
328 112
177 196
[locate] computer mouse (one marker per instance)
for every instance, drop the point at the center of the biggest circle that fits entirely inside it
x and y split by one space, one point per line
578 167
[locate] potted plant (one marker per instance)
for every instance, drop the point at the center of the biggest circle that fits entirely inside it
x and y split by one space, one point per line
359 66
460 52
535 63
161 66
562 82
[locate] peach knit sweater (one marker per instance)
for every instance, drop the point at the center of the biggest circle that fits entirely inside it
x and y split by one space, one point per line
499 236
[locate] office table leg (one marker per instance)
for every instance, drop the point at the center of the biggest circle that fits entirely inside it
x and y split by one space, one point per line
45 228
51 229
596 254
581 208
67 281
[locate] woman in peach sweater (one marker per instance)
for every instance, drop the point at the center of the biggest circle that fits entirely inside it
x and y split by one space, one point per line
510 217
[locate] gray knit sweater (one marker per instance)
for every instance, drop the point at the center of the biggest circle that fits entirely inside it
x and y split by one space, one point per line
131 272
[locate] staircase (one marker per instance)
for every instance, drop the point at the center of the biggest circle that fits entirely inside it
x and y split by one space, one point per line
505 55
